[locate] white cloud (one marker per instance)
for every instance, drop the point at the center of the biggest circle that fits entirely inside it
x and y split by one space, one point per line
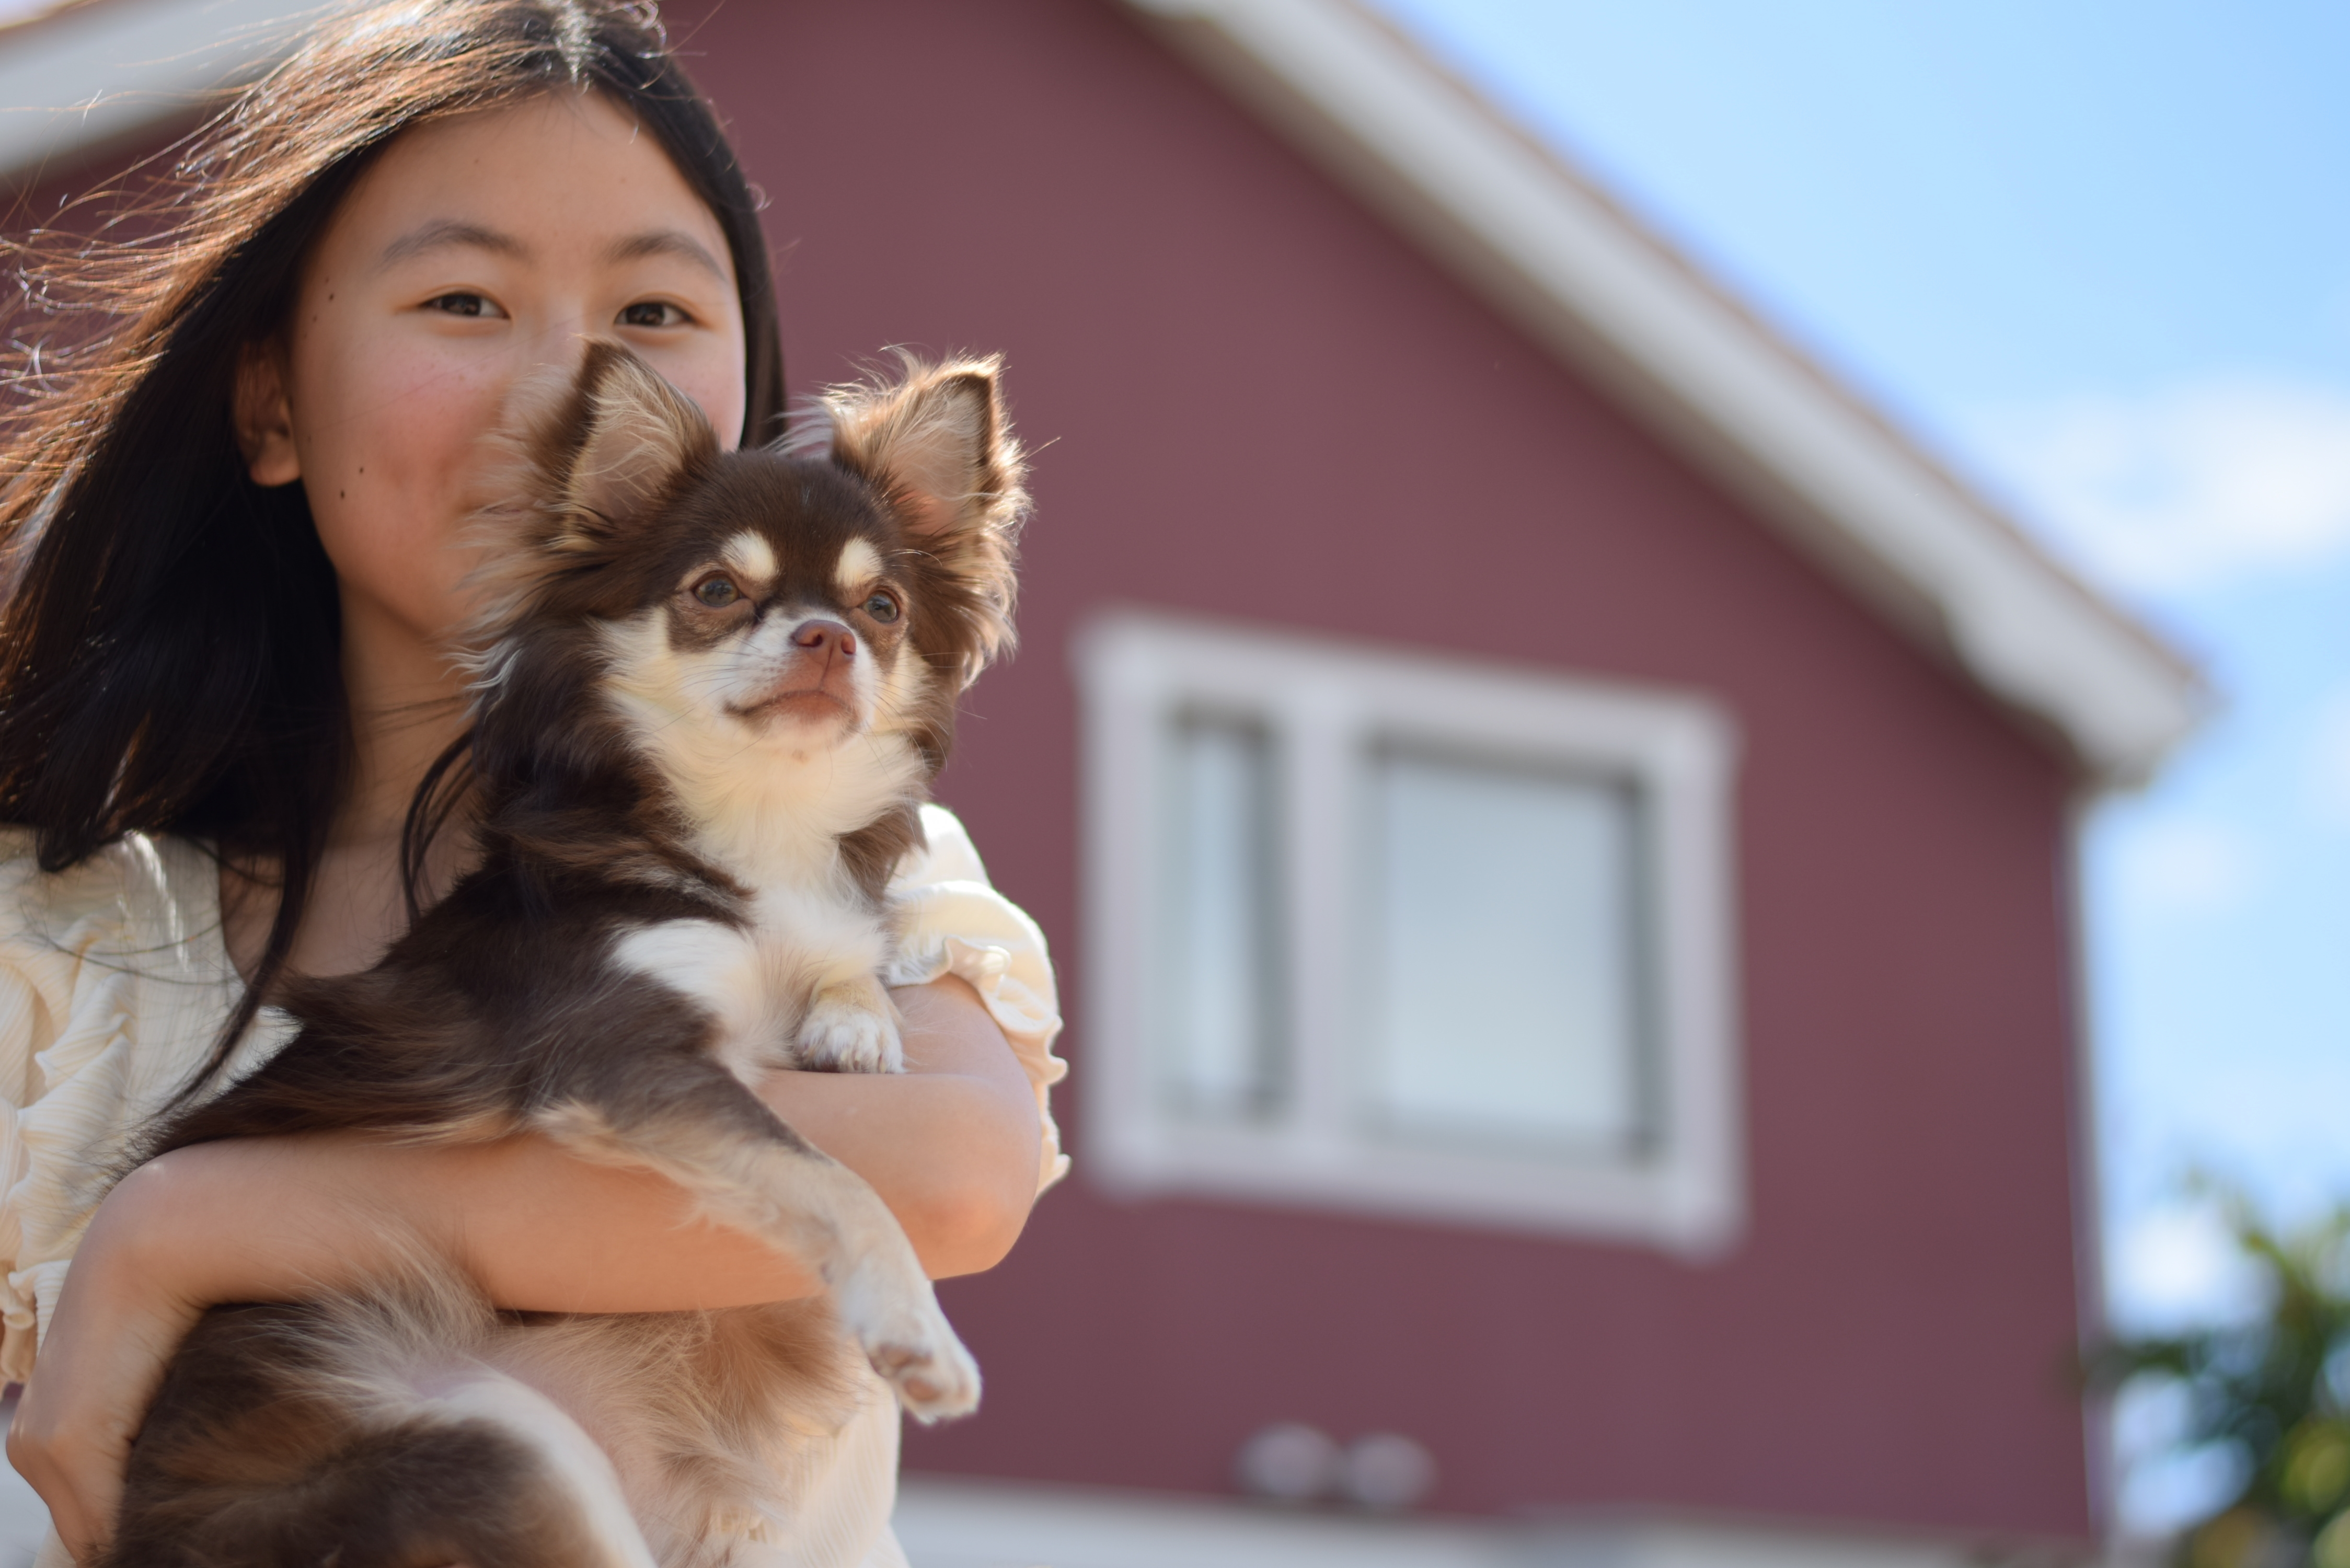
2178 866
2170 1271
2173 488
2176 1267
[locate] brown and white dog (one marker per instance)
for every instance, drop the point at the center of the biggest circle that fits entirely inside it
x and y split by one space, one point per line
711 692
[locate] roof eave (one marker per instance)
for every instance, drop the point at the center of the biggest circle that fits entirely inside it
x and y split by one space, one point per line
1542 244
86 75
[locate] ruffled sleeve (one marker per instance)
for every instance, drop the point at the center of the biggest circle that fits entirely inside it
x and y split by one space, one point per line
956 923
108 999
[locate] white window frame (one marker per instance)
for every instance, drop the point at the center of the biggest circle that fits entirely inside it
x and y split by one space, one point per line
1324 703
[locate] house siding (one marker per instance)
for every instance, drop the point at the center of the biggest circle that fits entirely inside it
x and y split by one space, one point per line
1254 400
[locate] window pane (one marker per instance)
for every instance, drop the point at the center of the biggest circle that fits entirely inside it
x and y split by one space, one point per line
1219 1055
1504 991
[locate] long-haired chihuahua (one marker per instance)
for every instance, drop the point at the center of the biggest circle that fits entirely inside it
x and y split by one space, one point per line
710 691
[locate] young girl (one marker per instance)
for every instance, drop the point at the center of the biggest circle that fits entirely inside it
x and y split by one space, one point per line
231 552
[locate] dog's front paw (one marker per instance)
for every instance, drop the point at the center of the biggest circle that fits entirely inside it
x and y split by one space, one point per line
851 1029
919 1356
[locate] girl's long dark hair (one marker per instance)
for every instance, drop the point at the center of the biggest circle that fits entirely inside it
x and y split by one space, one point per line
170 639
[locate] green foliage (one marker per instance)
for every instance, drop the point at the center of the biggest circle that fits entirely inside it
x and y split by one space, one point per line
2276 1390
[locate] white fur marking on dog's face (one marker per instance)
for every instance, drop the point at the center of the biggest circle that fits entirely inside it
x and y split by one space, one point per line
769 791
749 554
859 564
756 676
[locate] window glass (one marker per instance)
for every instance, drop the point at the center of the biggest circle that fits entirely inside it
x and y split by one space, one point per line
1407 935
1219 1059
1504 997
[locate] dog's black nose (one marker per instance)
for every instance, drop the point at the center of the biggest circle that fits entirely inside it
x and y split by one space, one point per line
816 636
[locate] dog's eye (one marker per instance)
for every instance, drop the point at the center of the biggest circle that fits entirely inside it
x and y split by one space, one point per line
882 607
716 592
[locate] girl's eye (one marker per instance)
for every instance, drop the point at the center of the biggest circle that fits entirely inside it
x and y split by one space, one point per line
716 593
882 607
461 303
652 313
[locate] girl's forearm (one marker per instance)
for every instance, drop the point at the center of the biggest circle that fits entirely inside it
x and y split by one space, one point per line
953 1155
950 1146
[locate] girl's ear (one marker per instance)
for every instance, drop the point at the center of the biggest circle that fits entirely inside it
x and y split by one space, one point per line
263 417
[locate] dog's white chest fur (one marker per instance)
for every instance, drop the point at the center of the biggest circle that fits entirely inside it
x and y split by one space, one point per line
798 986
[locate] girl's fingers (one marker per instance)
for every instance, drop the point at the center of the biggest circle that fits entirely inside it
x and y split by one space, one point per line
81 1485
102 1354
70 1439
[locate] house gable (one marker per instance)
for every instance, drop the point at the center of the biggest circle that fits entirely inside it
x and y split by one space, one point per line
1507 217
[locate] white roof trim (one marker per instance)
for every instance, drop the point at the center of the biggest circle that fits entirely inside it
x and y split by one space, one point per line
1515 222
77 77
1558 256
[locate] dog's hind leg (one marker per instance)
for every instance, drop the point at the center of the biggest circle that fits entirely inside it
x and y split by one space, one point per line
488 1490
297 1436
695 1123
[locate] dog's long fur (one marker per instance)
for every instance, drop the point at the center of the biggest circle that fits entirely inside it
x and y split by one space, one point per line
711 692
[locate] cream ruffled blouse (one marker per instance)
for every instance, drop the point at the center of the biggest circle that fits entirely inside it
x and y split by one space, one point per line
114 981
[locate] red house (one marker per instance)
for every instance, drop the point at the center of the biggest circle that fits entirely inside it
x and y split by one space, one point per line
1555 820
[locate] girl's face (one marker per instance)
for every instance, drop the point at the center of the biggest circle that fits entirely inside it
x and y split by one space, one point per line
473 250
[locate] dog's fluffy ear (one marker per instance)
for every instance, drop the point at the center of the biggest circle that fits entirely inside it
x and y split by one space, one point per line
607 443
938 444
579 456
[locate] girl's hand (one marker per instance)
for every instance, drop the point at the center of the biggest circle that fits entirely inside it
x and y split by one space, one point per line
114 1331
253 1219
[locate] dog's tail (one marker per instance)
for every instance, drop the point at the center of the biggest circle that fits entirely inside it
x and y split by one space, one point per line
365 1431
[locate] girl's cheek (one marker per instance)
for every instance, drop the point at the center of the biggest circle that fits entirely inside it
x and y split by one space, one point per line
714 379
387 477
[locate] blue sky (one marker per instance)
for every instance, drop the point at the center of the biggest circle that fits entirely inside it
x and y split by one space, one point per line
2098 255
